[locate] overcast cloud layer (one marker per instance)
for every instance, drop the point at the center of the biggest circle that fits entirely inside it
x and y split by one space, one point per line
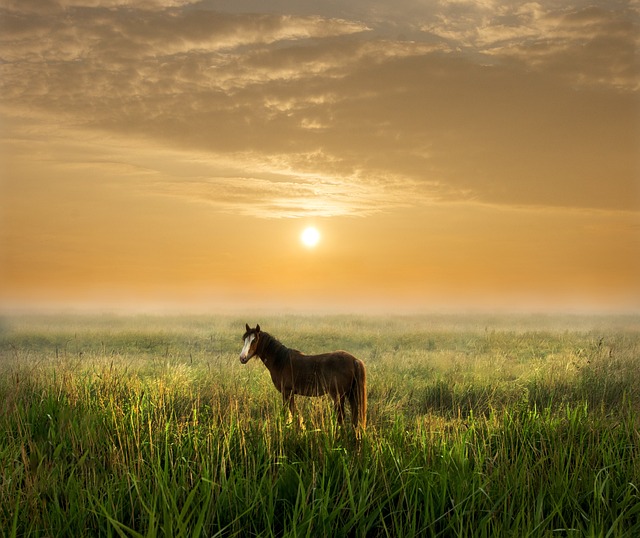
336 110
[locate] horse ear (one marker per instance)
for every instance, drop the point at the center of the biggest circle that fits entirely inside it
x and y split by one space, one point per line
257 328
247 326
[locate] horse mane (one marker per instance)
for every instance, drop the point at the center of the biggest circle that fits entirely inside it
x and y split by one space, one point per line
271 347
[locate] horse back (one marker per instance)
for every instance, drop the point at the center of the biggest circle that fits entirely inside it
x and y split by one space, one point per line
318 374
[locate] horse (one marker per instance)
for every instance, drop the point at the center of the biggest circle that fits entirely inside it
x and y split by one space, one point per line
338 374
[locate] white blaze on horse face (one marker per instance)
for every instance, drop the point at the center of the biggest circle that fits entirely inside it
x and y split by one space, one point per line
245 350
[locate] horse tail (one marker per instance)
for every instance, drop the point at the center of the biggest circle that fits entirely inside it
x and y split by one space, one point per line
358 396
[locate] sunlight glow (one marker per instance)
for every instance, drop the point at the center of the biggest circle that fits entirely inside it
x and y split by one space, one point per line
310 237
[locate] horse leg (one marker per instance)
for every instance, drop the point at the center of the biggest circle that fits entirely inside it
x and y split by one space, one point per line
338 403
287 400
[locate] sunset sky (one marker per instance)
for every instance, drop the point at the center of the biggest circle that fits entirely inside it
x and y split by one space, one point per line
450 153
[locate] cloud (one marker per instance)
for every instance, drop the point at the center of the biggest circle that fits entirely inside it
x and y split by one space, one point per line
55 6
288 197
588 44
277 186
591 46
496 103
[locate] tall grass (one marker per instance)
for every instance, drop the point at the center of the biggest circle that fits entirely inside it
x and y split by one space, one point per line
151 427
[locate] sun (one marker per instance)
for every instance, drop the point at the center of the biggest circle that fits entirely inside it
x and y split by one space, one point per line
310 237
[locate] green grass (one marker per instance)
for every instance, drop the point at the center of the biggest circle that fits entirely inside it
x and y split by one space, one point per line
149 426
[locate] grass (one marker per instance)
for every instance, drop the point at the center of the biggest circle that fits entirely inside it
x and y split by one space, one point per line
149 426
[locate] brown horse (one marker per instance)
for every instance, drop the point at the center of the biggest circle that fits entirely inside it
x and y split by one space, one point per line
338 374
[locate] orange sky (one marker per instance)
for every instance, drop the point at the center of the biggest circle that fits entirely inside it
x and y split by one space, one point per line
452 154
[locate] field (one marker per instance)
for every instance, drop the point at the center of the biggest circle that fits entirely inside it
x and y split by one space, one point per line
477 426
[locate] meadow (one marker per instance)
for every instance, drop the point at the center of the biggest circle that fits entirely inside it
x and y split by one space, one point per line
477 426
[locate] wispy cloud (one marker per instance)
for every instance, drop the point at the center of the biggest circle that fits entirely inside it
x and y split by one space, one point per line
586 43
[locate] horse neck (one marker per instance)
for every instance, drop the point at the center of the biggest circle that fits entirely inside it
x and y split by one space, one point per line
271 351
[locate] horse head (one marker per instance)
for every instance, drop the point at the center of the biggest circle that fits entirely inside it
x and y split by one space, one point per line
250 338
